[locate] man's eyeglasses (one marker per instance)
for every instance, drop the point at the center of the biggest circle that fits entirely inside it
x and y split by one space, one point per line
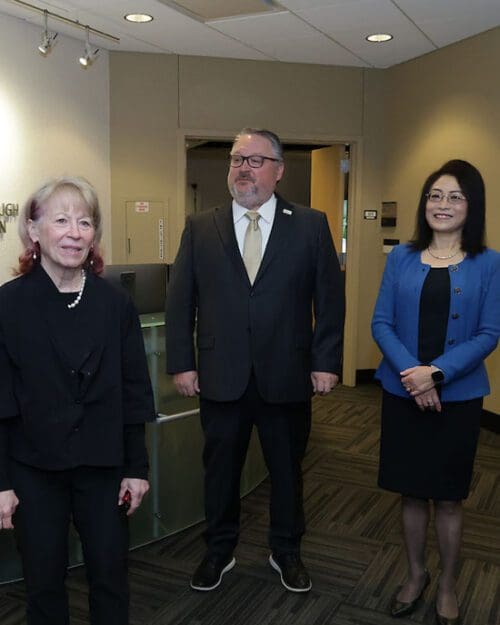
254 160
455 197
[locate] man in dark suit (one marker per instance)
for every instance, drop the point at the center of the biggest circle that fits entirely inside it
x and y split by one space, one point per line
250 276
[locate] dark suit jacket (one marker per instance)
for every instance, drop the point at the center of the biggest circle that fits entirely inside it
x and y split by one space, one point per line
267 327
67 408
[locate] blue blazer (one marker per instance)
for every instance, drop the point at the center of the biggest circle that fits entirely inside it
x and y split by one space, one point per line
473 323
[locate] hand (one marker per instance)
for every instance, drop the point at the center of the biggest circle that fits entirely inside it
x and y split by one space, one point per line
428 401
417 380
137 489
186 383
8 505
323 382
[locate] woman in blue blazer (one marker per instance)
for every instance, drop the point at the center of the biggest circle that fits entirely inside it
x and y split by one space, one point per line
436 319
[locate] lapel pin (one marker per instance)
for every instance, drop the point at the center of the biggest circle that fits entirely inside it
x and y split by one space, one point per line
287 212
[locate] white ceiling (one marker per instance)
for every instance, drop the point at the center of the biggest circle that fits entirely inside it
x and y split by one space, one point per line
330 32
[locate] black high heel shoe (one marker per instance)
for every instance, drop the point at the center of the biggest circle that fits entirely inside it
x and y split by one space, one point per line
444 620
402 608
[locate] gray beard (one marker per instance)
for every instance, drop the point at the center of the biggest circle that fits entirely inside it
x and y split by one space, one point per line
247 199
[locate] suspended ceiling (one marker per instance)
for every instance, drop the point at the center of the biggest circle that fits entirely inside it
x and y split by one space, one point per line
330 32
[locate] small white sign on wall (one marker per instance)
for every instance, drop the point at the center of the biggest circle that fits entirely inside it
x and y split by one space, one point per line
161 245
142 207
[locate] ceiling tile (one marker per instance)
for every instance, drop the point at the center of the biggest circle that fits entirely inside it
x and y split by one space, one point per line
307 31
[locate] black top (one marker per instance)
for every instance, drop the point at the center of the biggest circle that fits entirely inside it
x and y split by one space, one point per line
433 316
74 382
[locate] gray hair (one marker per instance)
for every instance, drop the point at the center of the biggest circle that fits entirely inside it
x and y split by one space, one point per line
272 137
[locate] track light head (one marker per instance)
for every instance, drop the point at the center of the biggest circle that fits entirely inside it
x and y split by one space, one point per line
90 54
47 42
88 57
47 38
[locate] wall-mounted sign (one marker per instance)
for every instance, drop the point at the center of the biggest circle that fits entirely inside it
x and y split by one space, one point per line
8 210
161 243
389 214
369 214
142 207
389 244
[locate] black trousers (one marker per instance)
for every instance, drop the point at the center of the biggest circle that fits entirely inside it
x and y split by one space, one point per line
283 432
48 500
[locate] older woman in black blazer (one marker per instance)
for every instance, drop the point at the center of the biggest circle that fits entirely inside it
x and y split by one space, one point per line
75 397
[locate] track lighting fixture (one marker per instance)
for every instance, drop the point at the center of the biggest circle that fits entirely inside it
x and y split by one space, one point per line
89 55
47 38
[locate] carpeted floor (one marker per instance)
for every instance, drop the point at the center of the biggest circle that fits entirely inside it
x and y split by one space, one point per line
353 546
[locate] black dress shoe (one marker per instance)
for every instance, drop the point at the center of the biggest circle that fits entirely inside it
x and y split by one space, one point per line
293 573
209 573
402 608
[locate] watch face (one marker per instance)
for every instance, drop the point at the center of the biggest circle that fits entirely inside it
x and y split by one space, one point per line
437 376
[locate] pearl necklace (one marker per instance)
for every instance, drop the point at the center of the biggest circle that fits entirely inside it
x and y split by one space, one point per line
77 299
442 257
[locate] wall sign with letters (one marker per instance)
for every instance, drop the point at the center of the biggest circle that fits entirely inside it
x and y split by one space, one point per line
8 211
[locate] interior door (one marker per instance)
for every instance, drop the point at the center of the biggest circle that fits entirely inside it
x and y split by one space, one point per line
146 236
327 188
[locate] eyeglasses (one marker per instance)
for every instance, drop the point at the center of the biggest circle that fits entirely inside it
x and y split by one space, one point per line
455 197
254 160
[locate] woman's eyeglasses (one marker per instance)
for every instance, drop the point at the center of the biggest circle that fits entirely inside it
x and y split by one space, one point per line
455 197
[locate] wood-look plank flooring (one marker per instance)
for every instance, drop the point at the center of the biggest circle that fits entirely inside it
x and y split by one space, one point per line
353 546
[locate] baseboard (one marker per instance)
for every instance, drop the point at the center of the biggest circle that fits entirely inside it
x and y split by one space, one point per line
490 421
365 376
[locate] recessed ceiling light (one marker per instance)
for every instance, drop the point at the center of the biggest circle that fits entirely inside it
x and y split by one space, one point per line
379 37
139 18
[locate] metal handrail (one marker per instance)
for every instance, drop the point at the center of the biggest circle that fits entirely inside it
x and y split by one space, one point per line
162 418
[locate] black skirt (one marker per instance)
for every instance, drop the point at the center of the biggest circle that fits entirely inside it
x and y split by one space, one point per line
428 455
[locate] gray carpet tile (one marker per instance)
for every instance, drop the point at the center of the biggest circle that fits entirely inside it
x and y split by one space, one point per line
353 546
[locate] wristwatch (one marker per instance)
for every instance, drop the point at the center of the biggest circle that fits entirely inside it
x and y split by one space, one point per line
437 376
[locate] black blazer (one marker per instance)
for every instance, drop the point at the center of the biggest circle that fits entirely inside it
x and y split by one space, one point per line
63 408
268 326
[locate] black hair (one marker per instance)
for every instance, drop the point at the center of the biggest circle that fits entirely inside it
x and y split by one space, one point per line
472 186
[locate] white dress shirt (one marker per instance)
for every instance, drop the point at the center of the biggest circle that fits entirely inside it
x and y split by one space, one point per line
266 212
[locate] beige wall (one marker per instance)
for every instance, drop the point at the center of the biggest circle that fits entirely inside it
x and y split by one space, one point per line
364 239
144 114
292 99
441 106
157 100
54 120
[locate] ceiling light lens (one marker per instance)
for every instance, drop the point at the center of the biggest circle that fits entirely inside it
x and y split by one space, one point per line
139 18
379 37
